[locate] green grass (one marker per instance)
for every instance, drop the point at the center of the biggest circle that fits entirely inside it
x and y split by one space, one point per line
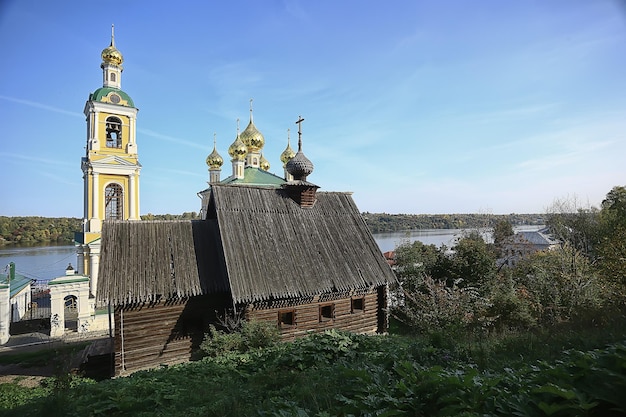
565 371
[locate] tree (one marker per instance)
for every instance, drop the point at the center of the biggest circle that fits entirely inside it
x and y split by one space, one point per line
570 222
501 231
414 261
611 242
615 203
473 262
560 284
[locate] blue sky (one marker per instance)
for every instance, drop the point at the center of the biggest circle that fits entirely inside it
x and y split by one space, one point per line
415 106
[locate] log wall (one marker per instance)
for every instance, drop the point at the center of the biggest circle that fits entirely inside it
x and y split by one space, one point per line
307 316
165 332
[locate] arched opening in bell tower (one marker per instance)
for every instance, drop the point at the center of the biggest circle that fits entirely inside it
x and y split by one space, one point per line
113 202
114 132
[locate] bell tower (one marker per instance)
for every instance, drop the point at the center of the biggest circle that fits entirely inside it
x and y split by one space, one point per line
110 166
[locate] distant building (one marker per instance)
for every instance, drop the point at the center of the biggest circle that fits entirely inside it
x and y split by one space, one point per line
524 243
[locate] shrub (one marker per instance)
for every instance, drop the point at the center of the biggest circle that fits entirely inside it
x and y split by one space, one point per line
259 334
436 308
251 335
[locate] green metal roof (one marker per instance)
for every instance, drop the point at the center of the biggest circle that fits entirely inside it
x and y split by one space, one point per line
104 91
18 284
255 176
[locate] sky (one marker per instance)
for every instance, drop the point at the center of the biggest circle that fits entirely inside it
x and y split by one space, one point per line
417 107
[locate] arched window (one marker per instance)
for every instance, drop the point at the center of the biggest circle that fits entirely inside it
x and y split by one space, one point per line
113 202
114 132
113 76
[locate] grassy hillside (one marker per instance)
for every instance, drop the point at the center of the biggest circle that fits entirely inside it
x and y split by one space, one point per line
560 372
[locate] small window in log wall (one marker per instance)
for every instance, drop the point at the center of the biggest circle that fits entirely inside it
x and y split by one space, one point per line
358 305
286 318
327 312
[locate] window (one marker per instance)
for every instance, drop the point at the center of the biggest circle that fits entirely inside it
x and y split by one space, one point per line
70 302
286 319
113 76
327 312
113 202
114 132
358 305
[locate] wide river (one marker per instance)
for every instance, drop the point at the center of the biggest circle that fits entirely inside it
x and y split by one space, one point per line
48 262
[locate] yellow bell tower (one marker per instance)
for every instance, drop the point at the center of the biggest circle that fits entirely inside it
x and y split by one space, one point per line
110 166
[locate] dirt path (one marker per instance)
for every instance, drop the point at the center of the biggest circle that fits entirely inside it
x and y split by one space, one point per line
27 377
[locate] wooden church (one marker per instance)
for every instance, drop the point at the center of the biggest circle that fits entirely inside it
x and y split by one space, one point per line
268 248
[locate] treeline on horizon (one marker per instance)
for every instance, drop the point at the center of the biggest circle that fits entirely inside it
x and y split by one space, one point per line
32 230
383 222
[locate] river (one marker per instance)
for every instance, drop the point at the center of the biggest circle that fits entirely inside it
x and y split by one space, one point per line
48 262
38 262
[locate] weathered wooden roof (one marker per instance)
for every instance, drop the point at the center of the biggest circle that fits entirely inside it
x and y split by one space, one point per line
258 244
273 248
140 260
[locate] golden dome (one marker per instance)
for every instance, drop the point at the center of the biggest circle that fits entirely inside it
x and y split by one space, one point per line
264 164
214 160
251 136
111 55
238 150
253 139
288 153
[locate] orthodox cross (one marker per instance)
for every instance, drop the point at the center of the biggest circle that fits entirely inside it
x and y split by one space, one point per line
299 123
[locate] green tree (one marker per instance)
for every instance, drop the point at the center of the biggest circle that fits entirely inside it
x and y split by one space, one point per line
502 230
570 222
611 242
414 261
560 284
473 262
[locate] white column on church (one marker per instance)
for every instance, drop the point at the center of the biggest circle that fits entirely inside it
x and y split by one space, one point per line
95 223
133 132
95 193
85 202
132 201
94 264
137 199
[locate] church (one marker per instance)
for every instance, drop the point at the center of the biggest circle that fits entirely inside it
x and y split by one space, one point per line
267 248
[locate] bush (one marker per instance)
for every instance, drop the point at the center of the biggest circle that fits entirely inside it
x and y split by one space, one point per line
436 308
251 335
259 334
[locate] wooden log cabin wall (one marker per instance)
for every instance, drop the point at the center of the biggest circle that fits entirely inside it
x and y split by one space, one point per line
362 312
163 332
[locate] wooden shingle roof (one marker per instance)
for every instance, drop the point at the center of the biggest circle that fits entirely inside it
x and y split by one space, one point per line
257 244
273 248
140 260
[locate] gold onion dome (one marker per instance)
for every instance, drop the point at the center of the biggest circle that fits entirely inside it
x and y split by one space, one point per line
264 164
238 150
110 54
251 136
214 160
288 153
